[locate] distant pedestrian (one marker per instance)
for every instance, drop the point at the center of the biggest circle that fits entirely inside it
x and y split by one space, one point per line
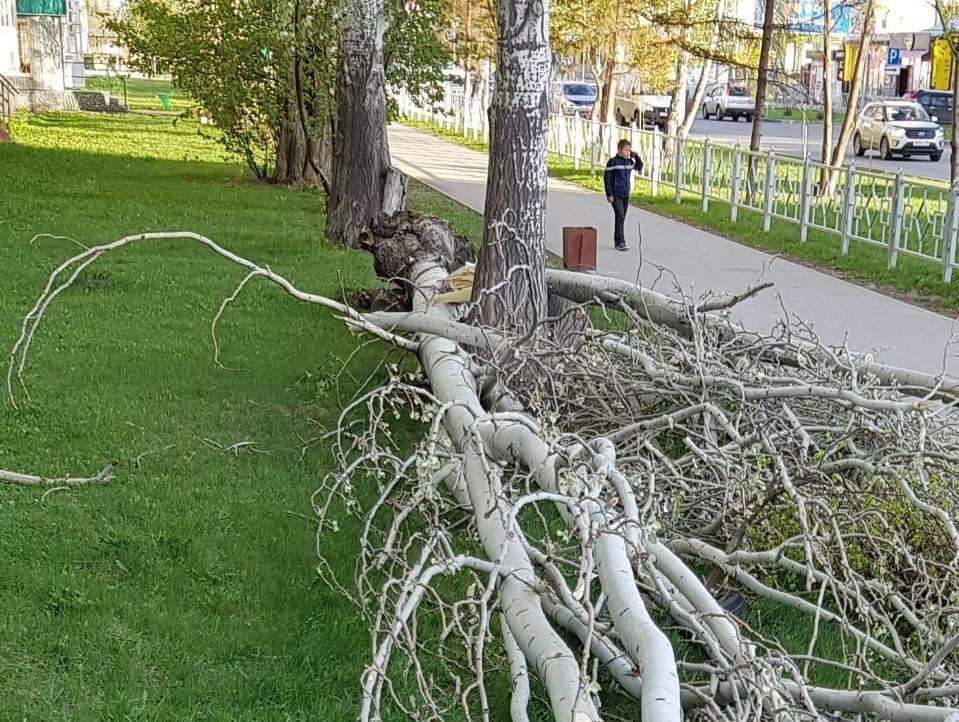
617 178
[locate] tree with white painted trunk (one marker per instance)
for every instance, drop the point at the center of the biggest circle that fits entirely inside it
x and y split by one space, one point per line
510 286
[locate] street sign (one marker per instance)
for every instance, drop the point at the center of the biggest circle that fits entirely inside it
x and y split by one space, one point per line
893 57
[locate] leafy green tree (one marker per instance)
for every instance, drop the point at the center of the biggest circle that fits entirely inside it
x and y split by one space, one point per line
265 70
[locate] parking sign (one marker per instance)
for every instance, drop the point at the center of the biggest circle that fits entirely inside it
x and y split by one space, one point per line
893 57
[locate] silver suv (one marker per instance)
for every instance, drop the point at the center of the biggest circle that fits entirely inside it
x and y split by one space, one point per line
898 127
725 100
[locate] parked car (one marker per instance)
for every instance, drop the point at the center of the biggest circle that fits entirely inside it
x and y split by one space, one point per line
938 103
646 110
898 127
728 101
573 97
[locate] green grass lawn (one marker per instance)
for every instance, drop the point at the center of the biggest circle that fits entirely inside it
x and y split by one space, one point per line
141 93
913 279
186 588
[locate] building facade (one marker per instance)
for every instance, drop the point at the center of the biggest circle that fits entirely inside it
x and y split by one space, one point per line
9 45
42 44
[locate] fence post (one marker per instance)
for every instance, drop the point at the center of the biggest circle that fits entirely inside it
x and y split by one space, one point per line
950 231
593 145
895 219
768 189
805 200
656 159
706 175
734 191
848 207
678 168
577 140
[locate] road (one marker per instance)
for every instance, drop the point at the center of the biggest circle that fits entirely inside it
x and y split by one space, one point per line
897 332
787 138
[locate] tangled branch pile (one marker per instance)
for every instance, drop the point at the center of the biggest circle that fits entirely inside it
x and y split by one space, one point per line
660 469
602 495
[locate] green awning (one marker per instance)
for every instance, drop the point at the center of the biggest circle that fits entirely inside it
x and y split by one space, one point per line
41 7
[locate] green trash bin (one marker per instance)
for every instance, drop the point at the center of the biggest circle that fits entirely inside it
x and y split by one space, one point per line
164 101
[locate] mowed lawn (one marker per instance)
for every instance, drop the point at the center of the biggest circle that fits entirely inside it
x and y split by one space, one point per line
186 588
141 93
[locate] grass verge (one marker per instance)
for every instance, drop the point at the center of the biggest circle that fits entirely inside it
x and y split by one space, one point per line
186 588
141 93
913 280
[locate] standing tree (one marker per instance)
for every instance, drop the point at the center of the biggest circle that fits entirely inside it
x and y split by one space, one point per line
594 30
852 103
361 158
510 280
827 80
264 73
700 88
948 13
762 76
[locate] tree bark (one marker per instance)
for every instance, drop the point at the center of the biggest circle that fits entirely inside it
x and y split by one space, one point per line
700 88
827 80
762 78
298 156
677 105
954 141
859 71
360 154
510 281
696 98
609 86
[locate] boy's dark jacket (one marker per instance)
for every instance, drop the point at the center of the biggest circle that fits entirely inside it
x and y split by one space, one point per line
618 174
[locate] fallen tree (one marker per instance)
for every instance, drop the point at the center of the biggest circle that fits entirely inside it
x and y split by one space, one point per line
607 501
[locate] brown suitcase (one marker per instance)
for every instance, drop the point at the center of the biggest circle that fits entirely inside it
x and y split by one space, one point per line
579 248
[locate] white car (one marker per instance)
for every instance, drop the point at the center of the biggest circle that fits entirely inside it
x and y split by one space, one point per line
726 100
645 110
573 97
898 127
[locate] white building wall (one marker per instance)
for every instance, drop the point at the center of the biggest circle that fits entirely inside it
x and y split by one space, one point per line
905 16
9 46
75 43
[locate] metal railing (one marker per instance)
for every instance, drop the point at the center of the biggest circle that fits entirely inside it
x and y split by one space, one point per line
904 216
7 93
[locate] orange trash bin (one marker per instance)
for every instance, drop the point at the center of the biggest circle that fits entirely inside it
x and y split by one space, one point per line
579 248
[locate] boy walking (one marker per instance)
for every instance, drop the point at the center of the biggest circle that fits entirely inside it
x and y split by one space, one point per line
617 178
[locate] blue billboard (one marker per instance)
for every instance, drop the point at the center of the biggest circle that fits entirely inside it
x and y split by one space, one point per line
806 16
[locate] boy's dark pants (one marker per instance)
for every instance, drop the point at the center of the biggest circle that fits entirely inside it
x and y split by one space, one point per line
620 206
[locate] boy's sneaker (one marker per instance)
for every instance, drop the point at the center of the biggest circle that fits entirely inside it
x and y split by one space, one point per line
624 247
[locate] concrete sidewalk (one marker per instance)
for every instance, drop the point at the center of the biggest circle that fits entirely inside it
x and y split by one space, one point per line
896 332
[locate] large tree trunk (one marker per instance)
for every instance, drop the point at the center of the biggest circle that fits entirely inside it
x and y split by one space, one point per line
361 159
762 77
510 281
301 161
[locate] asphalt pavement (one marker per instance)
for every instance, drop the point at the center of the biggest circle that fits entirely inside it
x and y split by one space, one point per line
787 138
896 332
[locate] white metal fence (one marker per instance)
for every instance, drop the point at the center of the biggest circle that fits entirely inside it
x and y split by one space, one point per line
903 216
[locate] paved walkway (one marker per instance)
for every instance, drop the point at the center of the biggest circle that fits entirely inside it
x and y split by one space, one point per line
896 332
